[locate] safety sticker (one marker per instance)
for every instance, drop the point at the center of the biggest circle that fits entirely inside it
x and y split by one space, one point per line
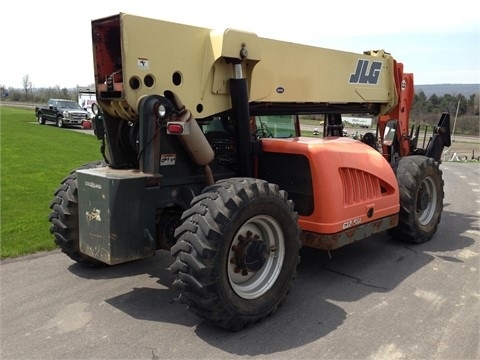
167 159
142 63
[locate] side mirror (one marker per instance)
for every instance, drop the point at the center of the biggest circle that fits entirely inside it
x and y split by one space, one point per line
389 133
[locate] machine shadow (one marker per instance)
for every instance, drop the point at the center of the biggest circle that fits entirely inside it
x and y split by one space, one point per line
348 274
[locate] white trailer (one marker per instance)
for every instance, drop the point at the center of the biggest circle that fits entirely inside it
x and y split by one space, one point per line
363 122
86 97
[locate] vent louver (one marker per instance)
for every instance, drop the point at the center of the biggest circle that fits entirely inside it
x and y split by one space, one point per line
360 186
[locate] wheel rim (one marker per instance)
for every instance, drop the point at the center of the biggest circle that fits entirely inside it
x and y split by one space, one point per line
256 257
426 201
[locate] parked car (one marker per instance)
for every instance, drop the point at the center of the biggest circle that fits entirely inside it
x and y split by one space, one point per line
62 112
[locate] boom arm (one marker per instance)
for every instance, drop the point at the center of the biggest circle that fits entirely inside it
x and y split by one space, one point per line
401 112
135 57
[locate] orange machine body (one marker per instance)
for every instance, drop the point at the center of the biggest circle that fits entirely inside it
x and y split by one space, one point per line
352 184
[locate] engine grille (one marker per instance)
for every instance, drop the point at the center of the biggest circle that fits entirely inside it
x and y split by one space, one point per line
359 186
77 116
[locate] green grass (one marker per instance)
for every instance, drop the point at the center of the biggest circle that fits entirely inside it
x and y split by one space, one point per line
34 160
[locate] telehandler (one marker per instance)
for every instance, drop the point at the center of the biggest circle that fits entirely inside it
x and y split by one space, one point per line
202 156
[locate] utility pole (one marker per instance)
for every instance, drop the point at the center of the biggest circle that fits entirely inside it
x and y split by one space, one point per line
455 121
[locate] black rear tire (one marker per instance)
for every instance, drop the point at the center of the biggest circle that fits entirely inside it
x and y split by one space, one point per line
237 252
64 217
421 198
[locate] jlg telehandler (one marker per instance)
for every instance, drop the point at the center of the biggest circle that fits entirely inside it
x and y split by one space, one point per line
203 156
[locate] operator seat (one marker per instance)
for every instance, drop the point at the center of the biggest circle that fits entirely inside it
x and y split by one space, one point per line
334 125
369 139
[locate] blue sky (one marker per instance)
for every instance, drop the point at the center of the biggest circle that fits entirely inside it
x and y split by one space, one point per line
439 43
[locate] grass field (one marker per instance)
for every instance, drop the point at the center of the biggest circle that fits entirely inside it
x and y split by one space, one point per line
34 160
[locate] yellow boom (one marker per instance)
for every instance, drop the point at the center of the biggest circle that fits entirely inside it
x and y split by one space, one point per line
135 57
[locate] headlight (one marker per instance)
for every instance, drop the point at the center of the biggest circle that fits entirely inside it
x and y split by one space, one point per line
162 111
66 114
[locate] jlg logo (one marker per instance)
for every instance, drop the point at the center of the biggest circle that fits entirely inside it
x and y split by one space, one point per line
366 73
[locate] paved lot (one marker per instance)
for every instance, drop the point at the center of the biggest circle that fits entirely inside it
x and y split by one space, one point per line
375 299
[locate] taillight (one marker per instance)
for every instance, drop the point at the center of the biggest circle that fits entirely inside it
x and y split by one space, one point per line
178 128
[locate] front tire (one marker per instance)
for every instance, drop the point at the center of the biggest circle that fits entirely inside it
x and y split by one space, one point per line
40 119
236 252
60 123
421 198
64 217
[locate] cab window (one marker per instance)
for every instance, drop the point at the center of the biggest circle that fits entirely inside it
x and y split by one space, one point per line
275 126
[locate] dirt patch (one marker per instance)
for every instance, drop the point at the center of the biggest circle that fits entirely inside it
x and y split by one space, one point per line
465 150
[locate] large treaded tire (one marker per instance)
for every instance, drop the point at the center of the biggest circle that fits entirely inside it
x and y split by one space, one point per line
64 217
421 199
211 243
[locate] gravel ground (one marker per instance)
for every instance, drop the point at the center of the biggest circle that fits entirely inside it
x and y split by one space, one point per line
470 148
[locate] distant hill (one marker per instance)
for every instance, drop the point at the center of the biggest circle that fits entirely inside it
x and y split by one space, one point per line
452 89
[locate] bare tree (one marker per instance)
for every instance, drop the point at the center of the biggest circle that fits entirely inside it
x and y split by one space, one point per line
27 85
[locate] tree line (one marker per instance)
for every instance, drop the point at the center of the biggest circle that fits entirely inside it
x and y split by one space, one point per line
446 103
425 110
